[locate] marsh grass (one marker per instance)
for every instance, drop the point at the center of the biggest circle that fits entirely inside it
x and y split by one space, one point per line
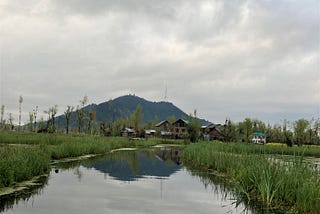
279 185
25 155
18 164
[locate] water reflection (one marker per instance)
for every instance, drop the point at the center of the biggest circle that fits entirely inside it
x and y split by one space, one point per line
133 165
150 181
8 201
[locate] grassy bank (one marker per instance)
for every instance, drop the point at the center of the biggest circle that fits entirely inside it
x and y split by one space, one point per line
18 164
25 155
276 184
245 148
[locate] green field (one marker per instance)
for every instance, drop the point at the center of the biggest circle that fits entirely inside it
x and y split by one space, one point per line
276 182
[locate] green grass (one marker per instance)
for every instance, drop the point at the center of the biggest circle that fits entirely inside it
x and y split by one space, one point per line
245 148
19 164
276 184
25 155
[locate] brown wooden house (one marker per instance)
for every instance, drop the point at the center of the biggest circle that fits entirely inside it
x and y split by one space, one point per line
164 129
213 132
180 128
150 133
128 132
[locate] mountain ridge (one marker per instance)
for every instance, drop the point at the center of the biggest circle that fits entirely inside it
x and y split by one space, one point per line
124 106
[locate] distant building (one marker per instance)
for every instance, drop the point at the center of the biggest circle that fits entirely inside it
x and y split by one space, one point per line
164 129
212 132
150 133
128 132
180 128
259 138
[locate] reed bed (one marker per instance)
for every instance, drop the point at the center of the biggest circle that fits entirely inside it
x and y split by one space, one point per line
25 155
292 187
19 164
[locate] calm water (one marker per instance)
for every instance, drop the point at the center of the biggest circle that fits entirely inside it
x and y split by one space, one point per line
125 182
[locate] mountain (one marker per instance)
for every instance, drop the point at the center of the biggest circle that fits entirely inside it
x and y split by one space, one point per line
124 106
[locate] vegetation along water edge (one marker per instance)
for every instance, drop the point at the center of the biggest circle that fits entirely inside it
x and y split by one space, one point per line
277 184
263 174
26 155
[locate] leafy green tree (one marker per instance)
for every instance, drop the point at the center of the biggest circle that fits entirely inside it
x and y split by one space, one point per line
194 128
286 134
155 122
259 126
300 131
229 131
246 129
316 129
313 132
136 117
67 115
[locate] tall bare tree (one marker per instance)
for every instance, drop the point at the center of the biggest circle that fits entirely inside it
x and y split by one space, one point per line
67 115
52 111
2 120
92 117
80 113
30 121
20 102
10 119
35 114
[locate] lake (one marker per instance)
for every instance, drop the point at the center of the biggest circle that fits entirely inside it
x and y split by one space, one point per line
147 181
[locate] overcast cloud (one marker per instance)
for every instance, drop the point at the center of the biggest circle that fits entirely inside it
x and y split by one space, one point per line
227 59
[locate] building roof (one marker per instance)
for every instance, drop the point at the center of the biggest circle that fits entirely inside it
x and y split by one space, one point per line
260 134
183 120
128 130
150 131
162 122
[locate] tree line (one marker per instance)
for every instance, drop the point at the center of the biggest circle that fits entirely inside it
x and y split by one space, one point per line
299 132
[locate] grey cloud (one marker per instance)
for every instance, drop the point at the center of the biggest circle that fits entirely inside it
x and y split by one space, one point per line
225 58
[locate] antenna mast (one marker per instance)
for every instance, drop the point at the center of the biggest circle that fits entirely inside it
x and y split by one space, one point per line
165 94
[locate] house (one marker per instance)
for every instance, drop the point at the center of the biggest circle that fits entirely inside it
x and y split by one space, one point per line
164 129
212 132
180 128
258 138
150 133
128 132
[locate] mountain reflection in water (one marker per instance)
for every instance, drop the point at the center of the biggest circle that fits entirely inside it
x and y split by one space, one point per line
142 181
130 166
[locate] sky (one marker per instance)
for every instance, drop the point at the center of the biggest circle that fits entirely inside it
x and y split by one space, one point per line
232 59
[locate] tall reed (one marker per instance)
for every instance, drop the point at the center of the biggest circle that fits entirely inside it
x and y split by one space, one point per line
272 182
19 164
31 153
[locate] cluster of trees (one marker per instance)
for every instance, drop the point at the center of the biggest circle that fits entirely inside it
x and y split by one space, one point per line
49 124
85 120
298 132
